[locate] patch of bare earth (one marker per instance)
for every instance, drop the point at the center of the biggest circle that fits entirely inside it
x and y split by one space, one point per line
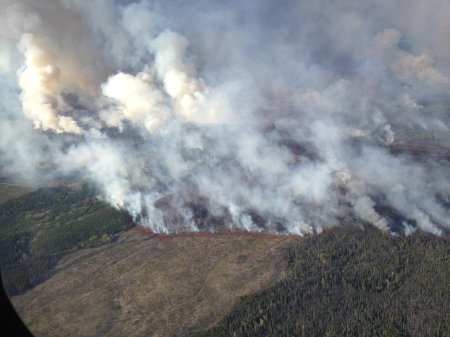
152 285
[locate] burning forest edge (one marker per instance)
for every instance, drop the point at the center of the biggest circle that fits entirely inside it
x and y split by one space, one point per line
48 235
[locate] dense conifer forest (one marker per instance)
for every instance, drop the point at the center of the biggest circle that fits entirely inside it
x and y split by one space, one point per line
39 228
352 283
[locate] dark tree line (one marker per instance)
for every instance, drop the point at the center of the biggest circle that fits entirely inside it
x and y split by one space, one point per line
352 283
39 228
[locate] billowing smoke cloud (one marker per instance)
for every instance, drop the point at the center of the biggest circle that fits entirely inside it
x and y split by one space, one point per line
39 81
287 116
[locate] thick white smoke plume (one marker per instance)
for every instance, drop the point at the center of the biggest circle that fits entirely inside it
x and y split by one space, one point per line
287 116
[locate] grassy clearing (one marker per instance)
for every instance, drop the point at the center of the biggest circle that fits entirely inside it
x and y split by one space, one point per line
158 286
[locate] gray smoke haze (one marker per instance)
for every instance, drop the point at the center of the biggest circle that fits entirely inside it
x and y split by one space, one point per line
285 116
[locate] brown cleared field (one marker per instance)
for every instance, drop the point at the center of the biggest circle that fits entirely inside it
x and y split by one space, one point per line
152 285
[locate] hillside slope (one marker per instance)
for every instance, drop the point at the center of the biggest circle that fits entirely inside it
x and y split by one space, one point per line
151 285
352 283
76 267
39 228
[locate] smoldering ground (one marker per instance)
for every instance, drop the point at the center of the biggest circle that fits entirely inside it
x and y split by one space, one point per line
284 116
